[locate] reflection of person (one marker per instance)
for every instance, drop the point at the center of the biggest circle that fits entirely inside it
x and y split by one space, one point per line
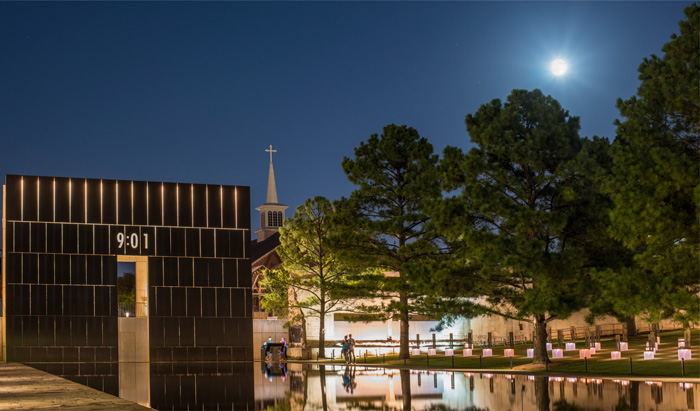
346 377
284 371
349 379
351 342
268 371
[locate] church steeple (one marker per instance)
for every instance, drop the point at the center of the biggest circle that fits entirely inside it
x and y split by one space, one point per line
272 212
271 186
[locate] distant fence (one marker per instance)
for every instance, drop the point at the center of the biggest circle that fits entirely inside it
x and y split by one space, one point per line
606 330
132 309
577 332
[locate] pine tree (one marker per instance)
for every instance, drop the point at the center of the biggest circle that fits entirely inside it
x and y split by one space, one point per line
654 182
388 226
522 214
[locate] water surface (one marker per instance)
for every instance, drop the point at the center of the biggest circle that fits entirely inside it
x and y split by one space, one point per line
260 386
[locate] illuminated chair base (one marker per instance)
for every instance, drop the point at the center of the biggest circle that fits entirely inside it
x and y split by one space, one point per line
684 354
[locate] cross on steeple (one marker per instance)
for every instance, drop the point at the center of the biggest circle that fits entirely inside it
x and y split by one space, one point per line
270 150
272 212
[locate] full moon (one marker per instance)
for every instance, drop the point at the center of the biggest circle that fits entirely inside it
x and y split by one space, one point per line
558 67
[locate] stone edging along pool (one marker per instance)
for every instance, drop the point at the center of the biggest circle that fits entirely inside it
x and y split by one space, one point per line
633 377
24 387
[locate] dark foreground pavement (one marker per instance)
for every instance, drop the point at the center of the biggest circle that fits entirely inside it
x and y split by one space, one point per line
23 387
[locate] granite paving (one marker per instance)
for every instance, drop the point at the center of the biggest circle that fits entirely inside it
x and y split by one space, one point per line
26 388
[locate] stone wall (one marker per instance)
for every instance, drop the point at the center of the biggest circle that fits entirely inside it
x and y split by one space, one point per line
262 329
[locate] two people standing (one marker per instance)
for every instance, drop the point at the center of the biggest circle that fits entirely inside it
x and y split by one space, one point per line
348 349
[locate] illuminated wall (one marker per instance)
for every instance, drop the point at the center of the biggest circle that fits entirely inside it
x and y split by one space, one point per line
61 241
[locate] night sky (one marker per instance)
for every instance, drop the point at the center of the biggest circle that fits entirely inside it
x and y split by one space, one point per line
195 92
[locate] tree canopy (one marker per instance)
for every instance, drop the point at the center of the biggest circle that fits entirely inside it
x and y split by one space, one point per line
388 226
312 281
527 208
654 182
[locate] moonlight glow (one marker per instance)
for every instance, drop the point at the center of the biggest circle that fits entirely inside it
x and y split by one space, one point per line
558 67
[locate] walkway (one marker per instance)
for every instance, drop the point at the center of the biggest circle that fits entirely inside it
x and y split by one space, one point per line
23 387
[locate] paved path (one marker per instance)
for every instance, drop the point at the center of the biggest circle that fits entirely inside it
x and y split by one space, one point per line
23 387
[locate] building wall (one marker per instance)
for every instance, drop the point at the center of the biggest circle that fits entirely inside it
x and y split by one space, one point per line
262 329
62 239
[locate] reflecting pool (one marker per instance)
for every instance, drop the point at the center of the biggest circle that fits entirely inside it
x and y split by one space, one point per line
261 386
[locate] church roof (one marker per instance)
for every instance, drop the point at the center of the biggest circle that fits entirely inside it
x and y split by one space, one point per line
259 249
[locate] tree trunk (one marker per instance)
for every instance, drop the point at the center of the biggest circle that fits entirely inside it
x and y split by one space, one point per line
403 316
406 389
631 327
304 341
542 392
322 331
305 381
540 343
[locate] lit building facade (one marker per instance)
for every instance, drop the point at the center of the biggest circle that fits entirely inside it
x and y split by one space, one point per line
63 237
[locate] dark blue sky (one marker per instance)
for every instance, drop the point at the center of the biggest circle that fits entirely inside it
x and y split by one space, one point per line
195 92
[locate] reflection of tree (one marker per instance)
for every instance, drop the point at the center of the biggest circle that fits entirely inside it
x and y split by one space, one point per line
406 389
442 407
634 395
542 393
298 389
322 370
622 404
305 380
563 405
281 405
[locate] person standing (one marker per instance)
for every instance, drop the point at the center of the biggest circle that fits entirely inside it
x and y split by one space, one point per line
346 348
266 346
351 343
283 351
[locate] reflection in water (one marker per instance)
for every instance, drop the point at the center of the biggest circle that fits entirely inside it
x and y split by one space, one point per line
274 386
406 388
542 393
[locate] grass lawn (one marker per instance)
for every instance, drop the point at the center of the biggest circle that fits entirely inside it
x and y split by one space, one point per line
665 364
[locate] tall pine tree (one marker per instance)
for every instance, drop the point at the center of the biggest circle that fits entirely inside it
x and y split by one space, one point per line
654 183
388 226
526 208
